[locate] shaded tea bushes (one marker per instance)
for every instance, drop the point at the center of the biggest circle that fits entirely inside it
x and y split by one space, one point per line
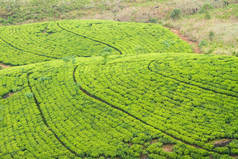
33 43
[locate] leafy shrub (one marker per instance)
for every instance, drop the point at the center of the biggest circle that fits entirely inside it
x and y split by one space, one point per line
202 43
175 14
234 53
211 35
153 20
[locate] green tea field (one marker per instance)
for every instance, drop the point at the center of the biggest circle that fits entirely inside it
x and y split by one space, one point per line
113 90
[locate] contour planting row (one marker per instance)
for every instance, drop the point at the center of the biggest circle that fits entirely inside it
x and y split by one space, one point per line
187 112
12 82
88 128
48 41
22 131
37 42
130 38
80 121
52 117
14 56
212 75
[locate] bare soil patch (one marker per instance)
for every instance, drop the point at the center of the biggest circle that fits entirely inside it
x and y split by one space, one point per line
168 147
234 156
4 66
143 156
194 44
8 95
222 142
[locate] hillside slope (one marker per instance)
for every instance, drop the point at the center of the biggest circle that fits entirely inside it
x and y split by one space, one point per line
153 105
210 24
32 43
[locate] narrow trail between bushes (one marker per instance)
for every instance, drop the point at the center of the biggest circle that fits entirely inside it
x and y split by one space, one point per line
45 121
13 152
101 42
26 51
194 44
188 83
3 66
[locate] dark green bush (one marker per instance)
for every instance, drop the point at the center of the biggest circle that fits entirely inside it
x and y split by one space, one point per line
175 14
211 35
202 43
153 20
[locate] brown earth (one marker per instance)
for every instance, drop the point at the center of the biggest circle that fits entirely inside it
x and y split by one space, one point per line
143 156
222 142
8 95
4 66
168 147
194 44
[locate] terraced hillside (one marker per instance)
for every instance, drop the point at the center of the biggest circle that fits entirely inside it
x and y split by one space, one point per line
130 107
113 101
33 43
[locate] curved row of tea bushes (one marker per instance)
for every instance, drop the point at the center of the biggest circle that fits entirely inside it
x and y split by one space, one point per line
52 116
182 108
130 38
33 43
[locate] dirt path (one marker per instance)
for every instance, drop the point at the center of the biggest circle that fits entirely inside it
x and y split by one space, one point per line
194 44
4 66
101 42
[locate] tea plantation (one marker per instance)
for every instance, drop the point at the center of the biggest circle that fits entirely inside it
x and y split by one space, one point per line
104 89
33 43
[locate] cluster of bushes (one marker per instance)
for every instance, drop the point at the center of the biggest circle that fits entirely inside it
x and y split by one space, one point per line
198 8
56 40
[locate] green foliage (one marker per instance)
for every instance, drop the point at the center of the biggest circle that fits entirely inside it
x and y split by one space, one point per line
153 20
235 53
202 43
205 8
187 104
211 35
29 95
69 39
132 106
175 14
207 15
